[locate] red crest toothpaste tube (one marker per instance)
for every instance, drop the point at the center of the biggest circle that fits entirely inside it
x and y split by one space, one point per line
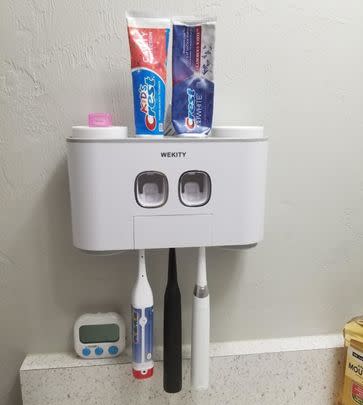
148 38
193 82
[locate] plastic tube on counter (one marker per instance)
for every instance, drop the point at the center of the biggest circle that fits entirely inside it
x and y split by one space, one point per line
148 38
193 81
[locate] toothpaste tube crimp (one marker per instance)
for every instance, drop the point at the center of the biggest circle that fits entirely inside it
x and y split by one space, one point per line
148 38
193 81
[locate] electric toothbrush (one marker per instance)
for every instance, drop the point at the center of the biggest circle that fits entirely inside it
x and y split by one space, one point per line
142 317
172 330
200 327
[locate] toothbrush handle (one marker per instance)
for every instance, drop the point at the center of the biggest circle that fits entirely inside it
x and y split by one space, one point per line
172 339
200 343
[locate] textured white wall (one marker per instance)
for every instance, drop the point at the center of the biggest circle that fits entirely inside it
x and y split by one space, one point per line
294 66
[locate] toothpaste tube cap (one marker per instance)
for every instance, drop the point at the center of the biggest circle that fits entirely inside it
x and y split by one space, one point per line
143 374
99 120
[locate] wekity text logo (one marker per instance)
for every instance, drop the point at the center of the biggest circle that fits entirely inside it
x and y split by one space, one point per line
147 102
173 154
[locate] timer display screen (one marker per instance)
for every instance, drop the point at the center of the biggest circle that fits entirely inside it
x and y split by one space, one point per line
99 333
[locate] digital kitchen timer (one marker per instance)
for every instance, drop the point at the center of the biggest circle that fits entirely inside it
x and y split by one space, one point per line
99 335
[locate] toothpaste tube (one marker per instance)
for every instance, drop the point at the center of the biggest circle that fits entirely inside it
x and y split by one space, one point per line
193 83
148 38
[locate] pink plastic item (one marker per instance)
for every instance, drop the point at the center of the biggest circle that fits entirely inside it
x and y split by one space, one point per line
99 120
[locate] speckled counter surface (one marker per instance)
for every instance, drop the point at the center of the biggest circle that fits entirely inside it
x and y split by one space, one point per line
298 377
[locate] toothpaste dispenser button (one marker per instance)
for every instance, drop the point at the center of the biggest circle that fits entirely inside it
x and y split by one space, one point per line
195 188
151 189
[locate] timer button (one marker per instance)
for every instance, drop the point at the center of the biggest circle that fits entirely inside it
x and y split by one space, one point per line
86 351
113 350
98 351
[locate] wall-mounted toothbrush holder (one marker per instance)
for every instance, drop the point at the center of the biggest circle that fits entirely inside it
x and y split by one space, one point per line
136 193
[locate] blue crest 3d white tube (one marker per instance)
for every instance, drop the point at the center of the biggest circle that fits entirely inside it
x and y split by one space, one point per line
193 80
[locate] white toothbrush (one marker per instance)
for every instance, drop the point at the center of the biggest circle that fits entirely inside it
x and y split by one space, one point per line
142 320
200 327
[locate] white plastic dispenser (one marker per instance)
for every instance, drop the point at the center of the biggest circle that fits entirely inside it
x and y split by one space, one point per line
132 193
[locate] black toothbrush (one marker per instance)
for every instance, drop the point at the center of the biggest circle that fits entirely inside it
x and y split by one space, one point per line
172 330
